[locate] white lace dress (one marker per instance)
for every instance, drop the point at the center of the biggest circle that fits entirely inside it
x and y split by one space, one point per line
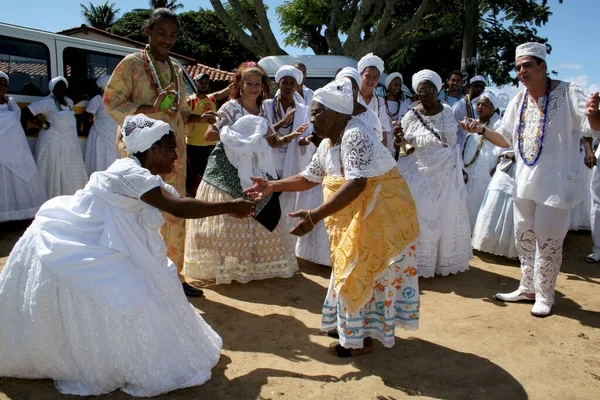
394 299
225 248
434 175
57 152
494 231
479 168
101 146
292 159
22 191
89 299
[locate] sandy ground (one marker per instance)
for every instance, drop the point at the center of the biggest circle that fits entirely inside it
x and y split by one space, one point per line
468 346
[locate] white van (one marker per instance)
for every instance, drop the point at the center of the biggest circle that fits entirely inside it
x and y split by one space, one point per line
31 58
320 70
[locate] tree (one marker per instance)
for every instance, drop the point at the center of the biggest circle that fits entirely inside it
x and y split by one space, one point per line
101 16
169 4
131 25
406 33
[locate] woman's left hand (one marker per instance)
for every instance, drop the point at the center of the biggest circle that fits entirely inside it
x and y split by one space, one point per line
303 226
305 141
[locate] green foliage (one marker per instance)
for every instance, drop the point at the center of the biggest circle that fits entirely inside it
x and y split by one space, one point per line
100 16
169 4
131 25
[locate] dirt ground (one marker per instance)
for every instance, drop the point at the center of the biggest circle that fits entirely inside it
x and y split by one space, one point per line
468 345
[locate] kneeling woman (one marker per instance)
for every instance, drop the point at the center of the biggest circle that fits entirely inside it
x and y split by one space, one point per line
371 220
88 296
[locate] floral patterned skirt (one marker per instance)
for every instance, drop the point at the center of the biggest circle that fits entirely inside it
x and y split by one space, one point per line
225 248
394 302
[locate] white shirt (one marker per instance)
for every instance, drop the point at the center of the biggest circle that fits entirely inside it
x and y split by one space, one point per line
553 180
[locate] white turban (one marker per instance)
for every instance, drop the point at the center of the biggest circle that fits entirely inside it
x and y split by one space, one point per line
244 142
336 95
491 97
3 75
288 70
531 49
426 75
349 72
370 61
477 78
141 132
103 81
391 77
54 81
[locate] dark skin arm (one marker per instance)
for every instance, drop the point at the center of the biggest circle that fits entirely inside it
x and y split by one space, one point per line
347 193
27 116
222 95
188 208
590 158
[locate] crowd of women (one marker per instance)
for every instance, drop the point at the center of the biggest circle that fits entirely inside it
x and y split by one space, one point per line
383 190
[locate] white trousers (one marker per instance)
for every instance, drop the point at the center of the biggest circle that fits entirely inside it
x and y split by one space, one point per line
540 232
595 212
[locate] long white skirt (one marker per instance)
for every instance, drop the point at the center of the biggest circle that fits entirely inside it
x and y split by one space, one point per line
313 246
100 151
20 199
226 248
53 329
59 160
494 228
580 213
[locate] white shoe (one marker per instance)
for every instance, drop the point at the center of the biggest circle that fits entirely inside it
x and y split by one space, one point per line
515 296
593 258
541 309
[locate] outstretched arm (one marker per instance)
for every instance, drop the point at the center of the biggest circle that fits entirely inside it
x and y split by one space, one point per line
592 111
262 187
191 208
472 126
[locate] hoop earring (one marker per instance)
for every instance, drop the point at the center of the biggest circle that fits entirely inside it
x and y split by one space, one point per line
240 92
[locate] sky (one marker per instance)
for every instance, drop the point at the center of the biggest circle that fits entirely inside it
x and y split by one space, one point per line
572 31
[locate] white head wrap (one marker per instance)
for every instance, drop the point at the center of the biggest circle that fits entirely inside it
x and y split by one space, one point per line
103 81
141 132
336 95
244 142
391 77
370 61
491 97
477 78
3 75
531 49
289 70
349 72
426 75
54 81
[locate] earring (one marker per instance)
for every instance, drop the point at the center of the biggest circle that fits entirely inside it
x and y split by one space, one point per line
240 92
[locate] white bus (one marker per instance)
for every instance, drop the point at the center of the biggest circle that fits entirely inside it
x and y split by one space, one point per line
31 58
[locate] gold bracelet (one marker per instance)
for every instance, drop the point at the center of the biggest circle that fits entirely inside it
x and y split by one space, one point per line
310 219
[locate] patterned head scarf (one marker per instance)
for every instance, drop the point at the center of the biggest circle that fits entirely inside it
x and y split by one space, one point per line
141 132
336 95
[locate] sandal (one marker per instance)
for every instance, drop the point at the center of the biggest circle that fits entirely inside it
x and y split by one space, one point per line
340 351
593 258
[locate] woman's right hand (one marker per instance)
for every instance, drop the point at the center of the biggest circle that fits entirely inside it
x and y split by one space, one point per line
260 190
240 208
470 125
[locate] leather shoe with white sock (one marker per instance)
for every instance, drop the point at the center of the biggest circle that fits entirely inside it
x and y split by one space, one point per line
513 297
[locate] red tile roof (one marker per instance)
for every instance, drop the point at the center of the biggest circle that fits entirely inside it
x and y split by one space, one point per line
214 74
27 67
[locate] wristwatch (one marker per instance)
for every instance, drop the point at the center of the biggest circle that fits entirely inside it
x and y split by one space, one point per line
482 131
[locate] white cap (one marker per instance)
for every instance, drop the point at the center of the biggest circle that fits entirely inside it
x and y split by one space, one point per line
531 49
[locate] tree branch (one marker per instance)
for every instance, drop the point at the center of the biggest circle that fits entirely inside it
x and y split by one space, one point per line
358 24
246 40
265 28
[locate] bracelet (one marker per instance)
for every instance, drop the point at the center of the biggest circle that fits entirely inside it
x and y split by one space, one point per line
285 139
482 133
310 219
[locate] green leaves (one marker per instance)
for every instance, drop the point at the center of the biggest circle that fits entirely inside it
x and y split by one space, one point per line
100 16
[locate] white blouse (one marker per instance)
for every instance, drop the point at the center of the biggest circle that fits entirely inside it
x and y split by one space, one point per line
553 180
361 154
420 136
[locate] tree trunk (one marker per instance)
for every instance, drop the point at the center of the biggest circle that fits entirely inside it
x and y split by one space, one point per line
469 51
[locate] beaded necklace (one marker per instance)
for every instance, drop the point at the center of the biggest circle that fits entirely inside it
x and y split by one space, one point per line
157 80
540 135
481 141
391 114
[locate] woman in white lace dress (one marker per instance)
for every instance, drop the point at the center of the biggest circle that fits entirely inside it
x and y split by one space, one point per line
371 221
293 158
224 248
434 174
101 147
22 191
478 155
57 152
88 297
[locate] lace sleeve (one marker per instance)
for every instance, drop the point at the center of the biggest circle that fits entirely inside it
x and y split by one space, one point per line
227 114
129 179
363 156
315 171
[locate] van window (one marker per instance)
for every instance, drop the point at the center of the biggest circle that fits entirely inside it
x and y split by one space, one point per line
27 64
83 67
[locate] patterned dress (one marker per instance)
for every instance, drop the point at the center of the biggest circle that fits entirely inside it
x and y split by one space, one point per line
130 87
